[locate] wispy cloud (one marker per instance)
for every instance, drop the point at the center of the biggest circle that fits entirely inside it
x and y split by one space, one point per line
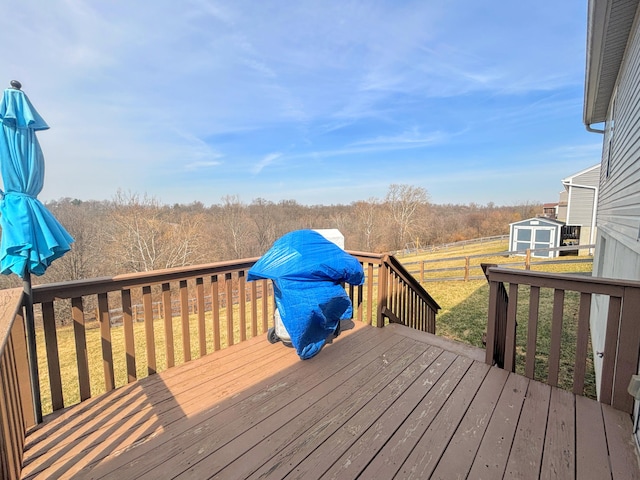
265 162
413 138
202 165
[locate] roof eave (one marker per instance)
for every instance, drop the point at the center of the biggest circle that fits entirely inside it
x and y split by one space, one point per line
608 28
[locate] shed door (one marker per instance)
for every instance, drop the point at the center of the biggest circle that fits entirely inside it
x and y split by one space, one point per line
543 237
534 237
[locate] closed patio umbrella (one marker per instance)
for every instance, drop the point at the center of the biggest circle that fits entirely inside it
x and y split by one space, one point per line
32 238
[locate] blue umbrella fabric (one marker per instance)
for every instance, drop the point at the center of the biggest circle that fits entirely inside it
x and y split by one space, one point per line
307 272
32 237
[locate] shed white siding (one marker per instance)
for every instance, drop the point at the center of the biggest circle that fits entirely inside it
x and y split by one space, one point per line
535 234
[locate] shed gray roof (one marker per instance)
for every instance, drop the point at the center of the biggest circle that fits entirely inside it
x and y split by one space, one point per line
608 29
547 220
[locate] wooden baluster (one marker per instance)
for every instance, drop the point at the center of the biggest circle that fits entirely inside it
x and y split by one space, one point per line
18 335
202 334
254 309
370 282
215 312
510 333
582 343
532 332
149 330
556 337
229 310
168 325
53 360
80 336
129 335
265 305
242 305
184 318
105 335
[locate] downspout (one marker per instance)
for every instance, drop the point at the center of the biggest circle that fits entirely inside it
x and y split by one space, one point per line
593 208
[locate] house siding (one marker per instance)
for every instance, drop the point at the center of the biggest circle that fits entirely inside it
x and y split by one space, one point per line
619 196
590 177
581 206
562 206
618 216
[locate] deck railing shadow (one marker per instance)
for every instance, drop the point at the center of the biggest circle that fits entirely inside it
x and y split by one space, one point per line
91 433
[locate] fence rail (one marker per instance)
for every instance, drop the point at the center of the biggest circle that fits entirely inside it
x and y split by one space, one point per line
415 248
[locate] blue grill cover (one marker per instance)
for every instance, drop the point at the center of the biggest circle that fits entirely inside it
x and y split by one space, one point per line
307 271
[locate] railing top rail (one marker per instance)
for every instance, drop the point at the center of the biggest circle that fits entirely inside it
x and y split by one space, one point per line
92 286
573 282
76 288
374 257
10 303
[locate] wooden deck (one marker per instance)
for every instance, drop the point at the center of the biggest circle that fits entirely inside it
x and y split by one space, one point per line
376 403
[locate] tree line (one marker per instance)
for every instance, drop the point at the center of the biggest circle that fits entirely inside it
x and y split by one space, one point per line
135 233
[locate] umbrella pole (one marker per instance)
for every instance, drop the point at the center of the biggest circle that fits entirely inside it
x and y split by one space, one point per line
31 345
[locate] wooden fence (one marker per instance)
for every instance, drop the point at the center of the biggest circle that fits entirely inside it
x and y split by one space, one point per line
469 267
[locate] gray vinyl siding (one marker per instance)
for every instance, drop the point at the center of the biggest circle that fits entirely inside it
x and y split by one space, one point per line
581 206
562 206
591 178
619 196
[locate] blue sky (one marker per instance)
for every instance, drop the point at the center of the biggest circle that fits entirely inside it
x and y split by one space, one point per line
323 102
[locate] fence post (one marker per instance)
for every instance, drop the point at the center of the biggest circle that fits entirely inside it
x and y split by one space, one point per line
466 269
422 271
527 260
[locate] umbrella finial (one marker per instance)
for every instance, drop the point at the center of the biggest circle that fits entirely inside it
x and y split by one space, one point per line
16 84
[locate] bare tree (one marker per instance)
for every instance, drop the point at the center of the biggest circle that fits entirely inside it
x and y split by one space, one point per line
84 221
262 212
367 214
237 227
144 237
403 201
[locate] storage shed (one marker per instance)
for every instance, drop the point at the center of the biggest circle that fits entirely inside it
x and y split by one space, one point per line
535 233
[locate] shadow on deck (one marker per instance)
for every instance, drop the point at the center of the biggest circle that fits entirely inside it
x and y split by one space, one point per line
376 403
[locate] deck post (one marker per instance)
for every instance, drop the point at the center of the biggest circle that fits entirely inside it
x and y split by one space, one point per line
382 291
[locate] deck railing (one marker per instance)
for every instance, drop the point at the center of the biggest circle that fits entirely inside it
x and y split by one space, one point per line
16 408
622 337
227 310
401 298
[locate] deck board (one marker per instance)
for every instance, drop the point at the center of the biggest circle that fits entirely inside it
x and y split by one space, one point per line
558 457
525 459
375 403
